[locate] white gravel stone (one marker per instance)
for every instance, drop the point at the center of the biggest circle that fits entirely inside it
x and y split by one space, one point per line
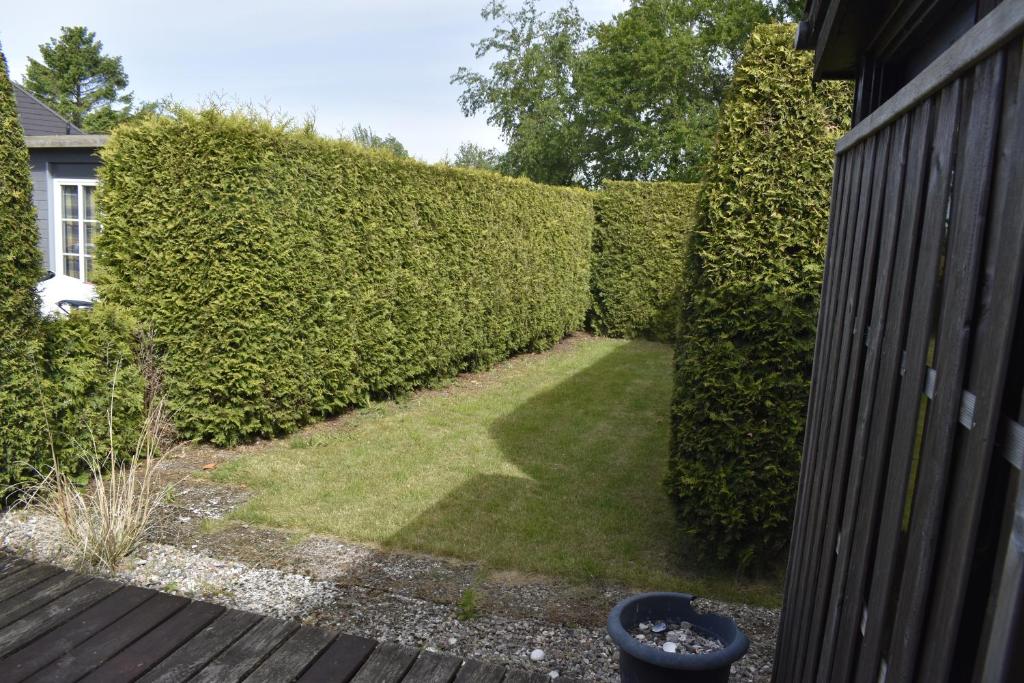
537 655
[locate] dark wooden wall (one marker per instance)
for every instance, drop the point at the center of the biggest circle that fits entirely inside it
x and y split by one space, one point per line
905 563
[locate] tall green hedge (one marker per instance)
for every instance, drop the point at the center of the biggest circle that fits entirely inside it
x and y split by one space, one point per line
93 379
750 301
640 240
56 376
22 428
287 276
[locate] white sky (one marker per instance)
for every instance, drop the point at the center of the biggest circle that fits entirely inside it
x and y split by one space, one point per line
382 63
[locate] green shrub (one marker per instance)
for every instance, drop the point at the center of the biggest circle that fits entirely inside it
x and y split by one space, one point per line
286 276
750 301
94 382
56 376
22 425
640 239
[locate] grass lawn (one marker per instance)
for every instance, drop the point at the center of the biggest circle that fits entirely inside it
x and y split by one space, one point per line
551 463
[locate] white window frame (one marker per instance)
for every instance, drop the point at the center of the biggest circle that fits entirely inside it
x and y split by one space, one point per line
57 222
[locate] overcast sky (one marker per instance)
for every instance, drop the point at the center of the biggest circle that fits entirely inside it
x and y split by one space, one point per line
382 63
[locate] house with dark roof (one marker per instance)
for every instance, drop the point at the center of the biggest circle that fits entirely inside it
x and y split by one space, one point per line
64 161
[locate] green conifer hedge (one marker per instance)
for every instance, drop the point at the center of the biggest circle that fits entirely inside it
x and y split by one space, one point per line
287 276
22 427
57 377
750 302
640 241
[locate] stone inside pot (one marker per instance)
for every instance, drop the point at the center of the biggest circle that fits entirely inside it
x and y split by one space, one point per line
675 637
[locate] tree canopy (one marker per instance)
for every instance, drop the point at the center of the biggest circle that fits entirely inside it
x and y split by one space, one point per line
529 92
79 81
472 155
364 136
632 98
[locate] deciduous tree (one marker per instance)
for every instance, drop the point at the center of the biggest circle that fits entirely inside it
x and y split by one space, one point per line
364 136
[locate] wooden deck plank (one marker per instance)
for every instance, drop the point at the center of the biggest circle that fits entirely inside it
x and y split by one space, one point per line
54 644
15 584
339 662
431 667
10 564
202 648
475 671
99 648
101 631
29 627
147 651
38 595
520 676
235 663
293 657
388 664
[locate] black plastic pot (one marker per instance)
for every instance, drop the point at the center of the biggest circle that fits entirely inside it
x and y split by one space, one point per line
639 663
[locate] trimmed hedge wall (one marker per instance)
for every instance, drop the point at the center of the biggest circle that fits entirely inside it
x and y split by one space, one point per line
640 241
287 276
750 302
56 376
92 369
22 429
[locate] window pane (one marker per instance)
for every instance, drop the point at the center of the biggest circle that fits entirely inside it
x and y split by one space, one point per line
71 266
70 201
71 236
88 269
89 202
91 230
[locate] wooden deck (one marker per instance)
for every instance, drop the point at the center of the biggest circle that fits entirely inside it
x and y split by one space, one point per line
56 625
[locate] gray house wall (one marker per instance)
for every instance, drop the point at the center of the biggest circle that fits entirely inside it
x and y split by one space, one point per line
47 165
56 149
37 118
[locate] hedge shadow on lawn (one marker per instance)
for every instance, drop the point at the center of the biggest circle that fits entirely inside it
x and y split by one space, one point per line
580 441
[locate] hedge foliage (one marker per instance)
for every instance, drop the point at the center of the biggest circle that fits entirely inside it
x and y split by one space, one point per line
22 429
93 377
57 377
640 241
286 276
750 301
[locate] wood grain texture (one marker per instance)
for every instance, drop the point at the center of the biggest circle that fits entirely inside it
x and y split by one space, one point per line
340 661
147 651
431 667
293 657
28 627
70 634
387 664
202 648
235 663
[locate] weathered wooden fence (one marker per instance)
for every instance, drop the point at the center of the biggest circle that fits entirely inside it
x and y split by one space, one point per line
906 560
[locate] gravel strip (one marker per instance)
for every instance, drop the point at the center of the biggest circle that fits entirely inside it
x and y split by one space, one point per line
388 597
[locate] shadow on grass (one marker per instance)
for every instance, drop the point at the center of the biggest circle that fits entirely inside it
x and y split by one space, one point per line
591 506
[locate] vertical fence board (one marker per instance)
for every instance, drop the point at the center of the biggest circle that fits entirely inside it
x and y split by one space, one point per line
835 376
852 352
888 549
915 398
897 313
979 122
850 502
995 323
813 464
839 192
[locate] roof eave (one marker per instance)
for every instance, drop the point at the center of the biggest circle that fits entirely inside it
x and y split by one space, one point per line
66 141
